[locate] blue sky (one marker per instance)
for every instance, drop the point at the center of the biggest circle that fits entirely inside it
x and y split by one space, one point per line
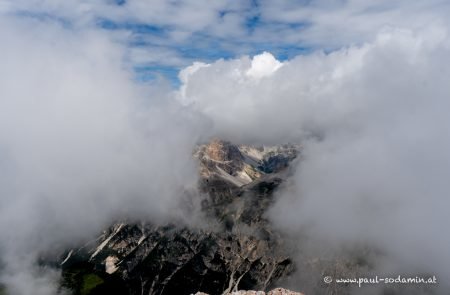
202 45
163 37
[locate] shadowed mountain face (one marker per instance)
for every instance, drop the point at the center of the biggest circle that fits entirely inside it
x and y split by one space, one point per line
235 249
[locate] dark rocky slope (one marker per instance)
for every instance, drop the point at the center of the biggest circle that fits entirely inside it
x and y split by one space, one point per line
238 251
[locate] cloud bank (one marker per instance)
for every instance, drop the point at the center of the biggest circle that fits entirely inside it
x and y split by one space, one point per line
374 126
80 145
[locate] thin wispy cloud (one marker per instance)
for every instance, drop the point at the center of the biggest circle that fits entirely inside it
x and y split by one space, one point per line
184 31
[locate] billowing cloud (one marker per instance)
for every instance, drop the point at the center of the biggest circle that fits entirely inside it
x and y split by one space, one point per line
263 65
80 145
373 123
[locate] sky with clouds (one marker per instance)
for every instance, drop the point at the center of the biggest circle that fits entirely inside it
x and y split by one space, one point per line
103 102
164 36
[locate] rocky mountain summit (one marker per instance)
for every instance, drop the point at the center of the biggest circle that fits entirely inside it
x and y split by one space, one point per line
243 164
239 251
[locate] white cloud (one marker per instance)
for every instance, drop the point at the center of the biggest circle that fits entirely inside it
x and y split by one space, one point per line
263 65
316 24
374 126
80 142
80 145
333 24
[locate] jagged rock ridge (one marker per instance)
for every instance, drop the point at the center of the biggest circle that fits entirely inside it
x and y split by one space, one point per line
243 253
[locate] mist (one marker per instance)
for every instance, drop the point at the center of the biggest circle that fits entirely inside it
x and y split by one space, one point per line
373 124
82 143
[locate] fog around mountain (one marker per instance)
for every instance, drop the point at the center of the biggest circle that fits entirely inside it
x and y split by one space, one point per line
82 143
373 126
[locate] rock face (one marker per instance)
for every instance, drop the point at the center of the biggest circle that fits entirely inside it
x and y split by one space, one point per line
243 164
277 291
241 252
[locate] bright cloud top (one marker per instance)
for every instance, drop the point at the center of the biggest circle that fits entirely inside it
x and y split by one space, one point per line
263 65
165 36
374 125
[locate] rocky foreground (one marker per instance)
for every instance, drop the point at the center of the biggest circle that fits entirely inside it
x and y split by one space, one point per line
236 250
277 291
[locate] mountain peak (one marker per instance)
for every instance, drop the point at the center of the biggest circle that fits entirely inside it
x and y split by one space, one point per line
240 250
243 164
